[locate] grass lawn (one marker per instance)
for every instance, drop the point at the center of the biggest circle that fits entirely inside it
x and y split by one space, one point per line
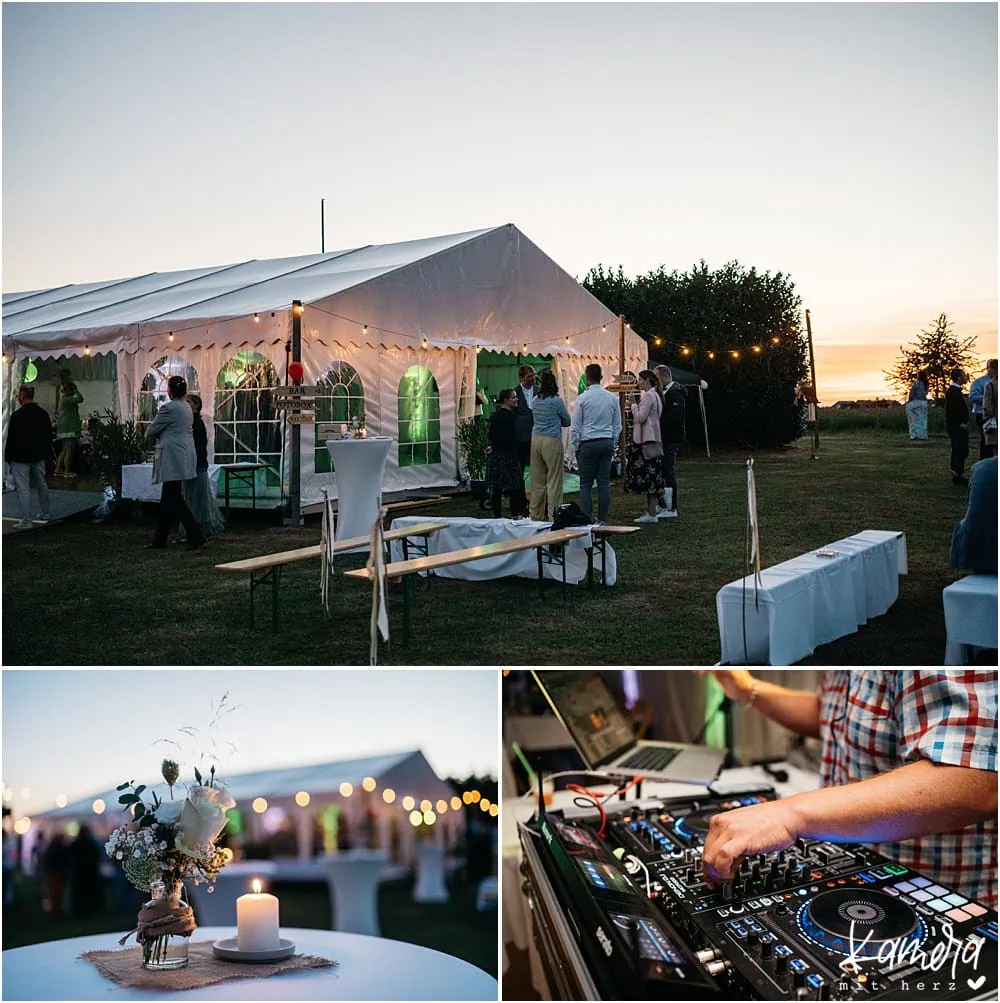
453 927
85 594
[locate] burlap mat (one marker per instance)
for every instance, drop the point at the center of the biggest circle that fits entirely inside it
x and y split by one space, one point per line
204 968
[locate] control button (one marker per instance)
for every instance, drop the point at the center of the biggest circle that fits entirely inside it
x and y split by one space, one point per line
767 901
867 878
923 909
908 899
955 899
922 896
939 905
937 890
723 912
891 891
896 869
797 965
782 951
766 949
905 886
975 909
920 882
754 904
958 915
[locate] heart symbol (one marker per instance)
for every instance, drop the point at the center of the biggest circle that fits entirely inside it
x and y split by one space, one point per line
977 983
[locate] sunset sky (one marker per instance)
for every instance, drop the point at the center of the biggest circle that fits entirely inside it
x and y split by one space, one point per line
853 146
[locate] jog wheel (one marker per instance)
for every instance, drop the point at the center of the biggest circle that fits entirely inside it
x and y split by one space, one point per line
846 917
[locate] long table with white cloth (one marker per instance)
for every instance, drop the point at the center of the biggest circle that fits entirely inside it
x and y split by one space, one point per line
137 481
810 600
462 533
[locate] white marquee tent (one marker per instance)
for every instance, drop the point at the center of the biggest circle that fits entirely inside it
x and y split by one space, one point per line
399 325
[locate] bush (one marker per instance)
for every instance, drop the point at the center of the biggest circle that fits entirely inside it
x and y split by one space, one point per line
854 421
116 444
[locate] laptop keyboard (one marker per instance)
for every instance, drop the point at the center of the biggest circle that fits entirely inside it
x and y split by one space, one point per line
650 758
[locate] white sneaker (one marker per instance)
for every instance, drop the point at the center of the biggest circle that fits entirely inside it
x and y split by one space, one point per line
646 519
666 513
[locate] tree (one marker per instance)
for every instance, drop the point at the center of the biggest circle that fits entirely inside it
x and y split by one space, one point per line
937 352
697 319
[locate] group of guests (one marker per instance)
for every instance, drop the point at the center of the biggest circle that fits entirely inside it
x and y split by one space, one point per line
958 412
180 464
527 429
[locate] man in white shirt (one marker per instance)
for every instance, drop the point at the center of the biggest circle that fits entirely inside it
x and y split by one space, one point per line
596 427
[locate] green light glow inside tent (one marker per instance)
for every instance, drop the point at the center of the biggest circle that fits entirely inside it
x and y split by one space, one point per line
715 731
30 372
329 821
234 826
419 418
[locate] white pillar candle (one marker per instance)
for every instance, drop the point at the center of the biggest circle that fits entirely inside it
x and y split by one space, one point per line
257 921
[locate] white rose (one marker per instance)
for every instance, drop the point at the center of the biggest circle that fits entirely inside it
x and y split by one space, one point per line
202 818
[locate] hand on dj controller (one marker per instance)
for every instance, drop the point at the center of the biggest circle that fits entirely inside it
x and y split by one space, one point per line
733 835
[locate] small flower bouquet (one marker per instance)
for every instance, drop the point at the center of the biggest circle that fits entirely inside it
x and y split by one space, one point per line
166 843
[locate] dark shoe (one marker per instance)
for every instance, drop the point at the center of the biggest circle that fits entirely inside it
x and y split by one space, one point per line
960 480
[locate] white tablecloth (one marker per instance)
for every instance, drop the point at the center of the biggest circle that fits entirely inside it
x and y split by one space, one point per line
462 533
811 600
137 481
370 968
353 877
970 616
218 907
358 465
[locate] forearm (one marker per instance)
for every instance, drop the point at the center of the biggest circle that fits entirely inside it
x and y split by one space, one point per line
797 710
914 800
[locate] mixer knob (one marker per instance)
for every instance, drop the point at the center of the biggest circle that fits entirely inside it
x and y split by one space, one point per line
780 909
823 856
766 950
752 938
798 979
780 964
755 871
727 891
781 856
692 875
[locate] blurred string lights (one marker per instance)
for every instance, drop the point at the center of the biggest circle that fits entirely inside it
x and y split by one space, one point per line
716 353
422 812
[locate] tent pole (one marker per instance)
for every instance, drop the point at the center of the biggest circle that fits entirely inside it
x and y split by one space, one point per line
621 397
322 226
295 471
815 393
704 420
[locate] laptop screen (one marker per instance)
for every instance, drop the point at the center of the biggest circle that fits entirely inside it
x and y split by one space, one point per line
589 713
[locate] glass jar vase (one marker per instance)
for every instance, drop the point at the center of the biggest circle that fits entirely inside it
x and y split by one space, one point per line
167 951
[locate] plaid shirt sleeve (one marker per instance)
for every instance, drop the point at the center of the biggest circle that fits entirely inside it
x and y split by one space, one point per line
948 717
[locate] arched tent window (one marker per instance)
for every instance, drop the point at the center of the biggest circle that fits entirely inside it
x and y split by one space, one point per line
419 418
247 426
340 398
153 391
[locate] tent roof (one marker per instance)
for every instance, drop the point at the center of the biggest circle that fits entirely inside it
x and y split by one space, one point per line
681 376
492 288
234 290
318 779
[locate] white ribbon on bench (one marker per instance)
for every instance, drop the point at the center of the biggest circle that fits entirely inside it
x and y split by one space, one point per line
380 606
326 555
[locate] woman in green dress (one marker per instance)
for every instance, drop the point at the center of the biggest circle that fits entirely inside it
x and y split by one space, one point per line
68 426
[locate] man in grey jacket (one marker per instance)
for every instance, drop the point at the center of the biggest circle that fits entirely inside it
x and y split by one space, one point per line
173 463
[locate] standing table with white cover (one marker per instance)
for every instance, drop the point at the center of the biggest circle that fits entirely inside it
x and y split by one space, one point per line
369 968
462 533
218 907
810 600
358 465
137 481
353 877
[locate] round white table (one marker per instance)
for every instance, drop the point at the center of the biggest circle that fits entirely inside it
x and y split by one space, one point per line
218 907
358 465
353 877
370 968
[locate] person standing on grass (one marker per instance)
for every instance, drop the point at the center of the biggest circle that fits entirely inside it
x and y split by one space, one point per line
645 454
503 470
974 538
523 416
29 444
989 414
595 428
976 393
174 462
550 418
198 492
916 408
672 434
956 419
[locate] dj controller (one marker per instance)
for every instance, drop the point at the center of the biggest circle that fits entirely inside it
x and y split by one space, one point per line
631 912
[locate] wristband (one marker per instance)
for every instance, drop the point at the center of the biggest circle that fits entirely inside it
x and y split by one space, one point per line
753 696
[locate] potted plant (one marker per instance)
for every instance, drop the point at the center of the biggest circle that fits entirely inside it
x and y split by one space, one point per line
116 443
473 440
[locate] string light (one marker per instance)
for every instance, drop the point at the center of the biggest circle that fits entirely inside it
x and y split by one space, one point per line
423 342
346 789
170 337
86 349
364 330
685 351
256 318
711 355
735 354
756 349
604 328
775 341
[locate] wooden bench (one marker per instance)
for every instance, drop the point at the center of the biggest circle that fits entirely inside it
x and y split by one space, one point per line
548 545
394 508
600 535
267 569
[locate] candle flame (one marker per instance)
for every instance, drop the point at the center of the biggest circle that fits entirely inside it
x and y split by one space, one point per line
256 886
